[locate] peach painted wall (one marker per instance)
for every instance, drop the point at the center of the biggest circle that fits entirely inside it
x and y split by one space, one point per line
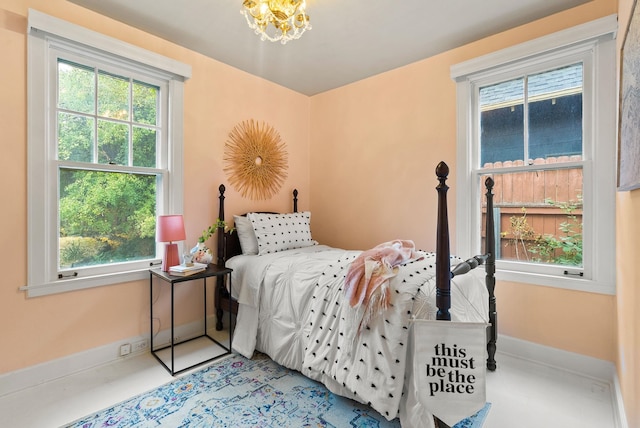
217 97
628 298
374 147
628 358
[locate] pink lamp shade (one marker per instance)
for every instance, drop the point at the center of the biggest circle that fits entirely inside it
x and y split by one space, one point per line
170 228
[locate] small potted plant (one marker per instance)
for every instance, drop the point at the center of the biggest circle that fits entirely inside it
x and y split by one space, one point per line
201 253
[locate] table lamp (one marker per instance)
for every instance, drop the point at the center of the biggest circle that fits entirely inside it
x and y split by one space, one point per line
170 228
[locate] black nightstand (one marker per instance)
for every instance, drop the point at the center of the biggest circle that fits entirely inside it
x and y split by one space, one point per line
211 271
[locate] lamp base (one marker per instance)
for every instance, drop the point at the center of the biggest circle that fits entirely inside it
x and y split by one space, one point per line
171 257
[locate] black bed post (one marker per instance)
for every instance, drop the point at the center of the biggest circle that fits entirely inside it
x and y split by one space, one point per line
221 189
295 200
490 269
220 286
443 263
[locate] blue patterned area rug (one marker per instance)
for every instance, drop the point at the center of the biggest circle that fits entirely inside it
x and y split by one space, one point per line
236 392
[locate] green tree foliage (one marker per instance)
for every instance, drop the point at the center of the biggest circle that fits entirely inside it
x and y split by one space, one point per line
115 209
77 135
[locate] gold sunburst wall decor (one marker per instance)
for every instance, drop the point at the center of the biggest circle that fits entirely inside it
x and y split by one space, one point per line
255 160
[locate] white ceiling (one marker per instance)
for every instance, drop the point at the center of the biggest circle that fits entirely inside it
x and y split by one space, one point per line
350 39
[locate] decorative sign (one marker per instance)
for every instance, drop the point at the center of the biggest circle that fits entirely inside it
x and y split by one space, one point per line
450 368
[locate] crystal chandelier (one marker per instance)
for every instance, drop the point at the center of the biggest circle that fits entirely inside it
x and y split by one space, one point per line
276 20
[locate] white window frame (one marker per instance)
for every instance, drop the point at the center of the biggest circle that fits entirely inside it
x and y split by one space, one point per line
594 45
48 39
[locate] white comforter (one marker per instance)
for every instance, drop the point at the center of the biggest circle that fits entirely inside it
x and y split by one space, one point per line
292 308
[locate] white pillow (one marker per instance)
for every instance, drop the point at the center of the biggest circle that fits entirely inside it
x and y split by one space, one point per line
246 235
280 232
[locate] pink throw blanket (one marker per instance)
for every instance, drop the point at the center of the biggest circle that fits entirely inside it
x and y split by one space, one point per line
367 281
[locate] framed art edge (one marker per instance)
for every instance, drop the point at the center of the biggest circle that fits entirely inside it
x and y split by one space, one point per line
626 183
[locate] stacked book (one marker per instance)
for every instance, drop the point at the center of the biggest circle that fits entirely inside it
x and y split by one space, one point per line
182 270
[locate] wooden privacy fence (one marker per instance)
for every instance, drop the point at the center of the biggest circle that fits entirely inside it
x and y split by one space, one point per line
533 203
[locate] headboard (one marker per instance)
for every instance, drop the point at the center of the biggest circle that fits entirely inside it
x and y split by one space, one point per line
228 241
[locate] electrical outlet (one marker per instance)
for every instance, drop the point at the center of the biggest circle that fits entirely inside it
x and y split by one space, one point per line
140 346
125 349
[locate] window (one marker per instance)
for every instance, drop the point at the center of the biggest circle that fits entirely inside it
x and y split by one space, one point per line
105 156
539 119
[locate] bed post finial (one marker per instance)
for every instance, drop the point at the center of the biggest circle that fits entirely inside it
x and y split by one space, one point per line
295 200
442 171
443 263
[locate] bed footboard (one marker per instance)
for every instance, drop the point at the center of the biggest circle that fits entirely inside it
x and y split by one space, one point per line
443 266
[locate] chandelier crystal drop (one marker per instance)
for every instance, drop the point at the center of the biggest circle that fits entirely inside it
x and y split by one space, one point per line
276 20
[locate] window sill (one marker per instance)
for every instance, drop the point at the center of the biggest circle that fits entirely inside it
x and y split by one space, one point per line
74 284
576 284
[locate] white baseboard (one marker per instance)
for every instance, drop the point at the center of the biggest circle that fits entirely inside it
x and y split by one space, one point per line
55 369
618 403
601 370
554 357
